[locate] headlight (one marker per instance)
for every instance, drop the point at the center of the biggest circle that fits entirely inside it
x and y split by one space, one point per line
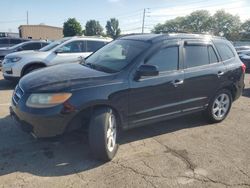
46 100
15 59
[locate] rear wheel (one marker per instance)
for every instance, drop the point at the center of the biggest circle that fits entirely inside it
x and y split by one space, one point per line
103 134
219 106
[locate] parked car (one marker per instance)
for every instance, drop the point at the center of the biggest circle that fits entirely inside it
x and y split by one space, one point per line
240 48
66 50
245 57
30 45
11 41
132 81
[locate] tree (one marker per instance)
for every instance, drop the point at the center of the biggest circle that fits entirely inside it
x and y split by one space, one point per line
93 28
225 24
170 26
72 28
112 28
246 26
198 22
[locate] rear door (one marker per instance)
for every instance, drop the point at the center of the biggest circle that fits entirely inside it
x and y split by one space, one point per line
92 46
157 97
203 73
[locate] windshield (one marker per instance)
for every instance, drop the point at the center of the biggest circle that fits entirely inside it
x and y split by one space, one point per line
53 45
116 55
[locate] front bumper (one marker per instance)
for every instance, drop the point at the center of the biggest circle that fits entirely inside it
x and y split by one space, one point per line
41 125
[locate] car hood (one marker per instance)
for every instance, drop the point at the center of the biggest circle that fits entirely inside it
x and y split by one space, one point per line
27 53
62 78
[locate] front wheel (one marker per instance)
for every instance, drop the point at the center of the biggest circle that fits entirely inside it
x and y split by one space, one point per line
219 106
103 134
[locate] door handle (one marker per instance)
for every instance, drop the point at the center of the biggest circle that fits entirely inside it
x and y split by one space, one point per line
177 82
220 73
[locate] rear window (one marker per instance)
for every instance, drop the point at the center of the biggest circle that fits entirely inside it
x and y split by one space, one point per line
224 50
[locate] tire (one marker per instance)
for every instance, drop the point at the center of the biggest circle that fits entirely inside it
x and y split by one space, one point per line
102 133
219 106
31 69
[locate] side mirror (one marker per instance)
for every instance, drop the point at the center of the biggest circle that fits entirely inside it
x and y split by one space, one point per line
59 51
147 70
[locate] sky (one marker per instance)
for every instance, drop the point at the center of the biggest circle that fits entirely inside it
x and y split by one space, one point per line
128 12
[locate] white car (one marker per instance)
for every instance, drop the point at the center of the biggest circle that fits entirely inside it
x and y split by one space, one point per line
66 50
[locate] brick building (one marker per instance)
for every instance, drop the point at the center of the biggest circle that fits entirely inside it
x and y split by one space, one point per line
40 32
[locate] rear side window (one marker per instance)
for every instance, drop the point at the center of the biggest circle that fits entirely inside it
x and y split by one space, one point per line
195 55
224 50
166 59
4 41
93 46
32 46
15 41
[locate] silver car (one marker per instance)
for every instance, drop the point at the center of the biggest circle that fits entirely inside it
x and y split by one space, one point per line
66 50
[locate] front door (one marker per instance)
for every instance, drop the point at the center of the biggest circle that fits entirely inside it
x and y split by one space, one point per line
72 52
156 97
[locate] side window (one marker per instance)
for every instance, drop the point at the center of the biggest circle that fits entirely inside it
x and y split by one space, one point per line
15 41
212 55
92 46
44 44
73 47
31 46
166 59
195 55
224 50
4 41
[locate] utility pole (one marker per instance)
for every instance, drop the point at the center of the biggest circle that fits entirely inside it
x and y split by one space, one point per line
27 17
143 21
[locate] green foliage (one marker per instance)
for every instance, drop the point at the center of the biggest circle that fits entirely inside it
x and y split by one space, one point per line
93 28
72 28
112 28
221 24
225 24
171 26
198 22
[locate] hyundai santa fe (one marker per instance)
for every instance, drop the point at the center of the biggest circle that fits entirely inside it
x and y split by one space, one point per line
133 81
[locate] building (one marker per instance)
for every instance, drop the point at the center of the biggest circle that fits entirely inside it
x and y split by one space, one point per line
40 32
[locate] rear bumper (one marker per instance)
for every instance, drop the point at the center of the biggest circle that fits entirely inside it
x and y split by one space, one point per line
42 126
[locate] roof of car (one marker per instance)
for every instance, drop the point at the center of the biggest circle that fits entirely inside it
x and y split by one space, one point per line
156 37
96 38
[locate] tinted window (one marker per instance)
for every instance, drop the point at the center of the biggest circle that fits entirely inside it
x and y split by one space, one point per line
225 51
4 41
196 55
92 46
73 47
15 41
212 55
166 59
44 44
32 46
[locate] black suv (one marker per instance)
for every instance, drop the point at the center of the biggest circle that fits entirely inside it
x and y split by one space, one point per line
133 81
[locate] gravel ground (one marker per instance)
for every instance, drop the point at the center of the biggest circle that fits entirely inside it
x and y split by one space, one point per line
185 152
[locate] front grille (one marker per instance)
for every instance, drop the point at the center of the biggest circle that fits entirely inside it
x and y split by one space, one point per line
18 93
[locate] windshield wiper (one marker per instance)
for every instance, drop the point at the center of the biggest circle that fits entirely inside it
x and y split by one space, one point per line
98 67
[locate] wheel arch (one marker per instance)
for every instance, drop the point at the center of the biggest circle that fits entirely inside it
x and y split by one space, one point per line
83 116
42 64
